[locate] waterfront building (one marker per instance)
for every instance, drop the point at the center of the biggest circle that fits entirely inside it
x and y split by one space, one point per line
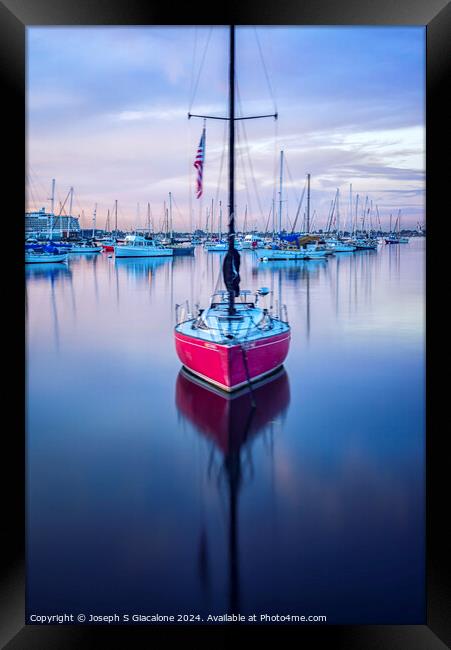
41 222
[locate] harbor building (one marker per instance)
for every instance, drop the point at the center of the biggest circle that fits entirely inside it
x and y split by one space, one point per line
42 222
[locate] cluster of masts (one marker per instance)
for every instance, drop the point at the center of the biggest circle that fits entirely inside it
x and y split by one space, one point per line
362 216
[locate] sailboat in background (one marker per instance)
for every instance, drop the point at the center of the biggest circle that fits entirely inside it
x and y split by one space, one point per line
234 341
395 237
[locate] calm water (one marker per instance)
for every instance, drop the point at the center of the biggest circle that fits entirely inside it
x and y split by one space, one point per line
150 494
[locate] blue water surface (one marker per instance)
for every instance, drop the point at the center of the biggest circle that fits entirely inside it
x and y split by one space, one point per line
147 493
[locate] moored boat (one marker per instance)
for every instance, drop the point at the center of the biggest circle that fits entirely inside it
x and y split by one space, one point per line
216 246
234 341
85 247
48 254
363 244
338 246
231 350
139 246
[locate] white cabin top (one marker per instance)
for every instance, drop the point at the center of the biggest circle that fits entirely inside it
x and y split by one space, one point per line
138 240
248 324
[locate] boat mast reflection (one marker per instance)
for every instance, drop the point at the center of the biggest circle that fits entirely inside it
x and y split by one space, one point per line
232 422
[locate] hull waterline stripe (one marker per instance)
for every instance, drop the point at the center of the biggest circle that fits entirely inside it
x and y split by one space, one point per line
226 347
229 389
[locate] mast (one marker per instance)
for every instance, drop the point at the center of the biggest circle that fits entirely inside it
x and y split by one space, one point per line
170 214
350 208
115 216
52 198
232 160
280 192
364 214
220 221
69 220
52 208
354 231
273 220
308 203
94 221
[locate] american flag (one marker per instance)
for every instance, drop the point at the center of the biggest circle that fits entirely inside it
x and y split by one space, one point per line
199 164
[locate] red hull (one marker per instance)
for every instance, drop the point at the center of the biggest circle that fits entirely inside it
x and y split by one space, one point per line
224 365
225 418
107 248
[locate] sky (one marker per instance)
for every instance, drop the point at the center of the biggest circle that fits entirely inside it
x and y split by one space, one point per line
107 114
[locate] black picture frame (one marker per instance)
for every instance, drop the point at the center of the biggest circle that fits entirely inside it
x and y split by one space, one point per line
15 16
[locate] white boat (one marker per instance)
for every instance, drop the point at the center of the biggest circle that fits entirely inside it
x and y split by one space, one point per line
220 246
270 254
139 246
314 251
337 246
252 242
38 257
85 247
216 246
362 243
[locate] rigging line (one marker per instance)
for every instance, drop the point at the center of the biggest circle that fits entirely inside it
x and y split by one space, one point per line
38 184
200 70
271 92
190 176
193 64
293 185
289 221
254 182
312 220
244 170
267 223
299 206
174 202
249 384
29 186
276 161
221 164
241 158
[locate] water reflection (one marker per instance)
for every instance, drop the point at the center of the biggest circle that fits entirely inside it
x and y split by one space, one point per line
231 423
309 504
50 275
47 272
141 268
291 271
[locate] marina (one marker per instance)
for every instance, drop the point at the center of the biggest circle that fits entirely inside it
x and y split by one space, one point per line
127 455
225 389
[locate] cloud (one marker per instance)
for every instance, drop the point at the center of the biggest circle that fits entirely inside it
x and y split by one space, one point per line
107 113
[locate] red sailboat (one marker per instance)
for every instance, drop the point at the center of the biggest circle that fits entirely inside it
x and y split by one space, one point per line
234 341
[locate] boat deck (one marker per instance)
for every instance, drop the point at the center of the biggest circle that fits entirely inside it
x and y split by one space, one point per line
248 324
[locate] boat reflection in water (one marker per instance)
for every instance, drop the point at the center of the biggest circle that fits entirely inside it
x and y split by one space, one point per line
47 272
232 422
140 266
